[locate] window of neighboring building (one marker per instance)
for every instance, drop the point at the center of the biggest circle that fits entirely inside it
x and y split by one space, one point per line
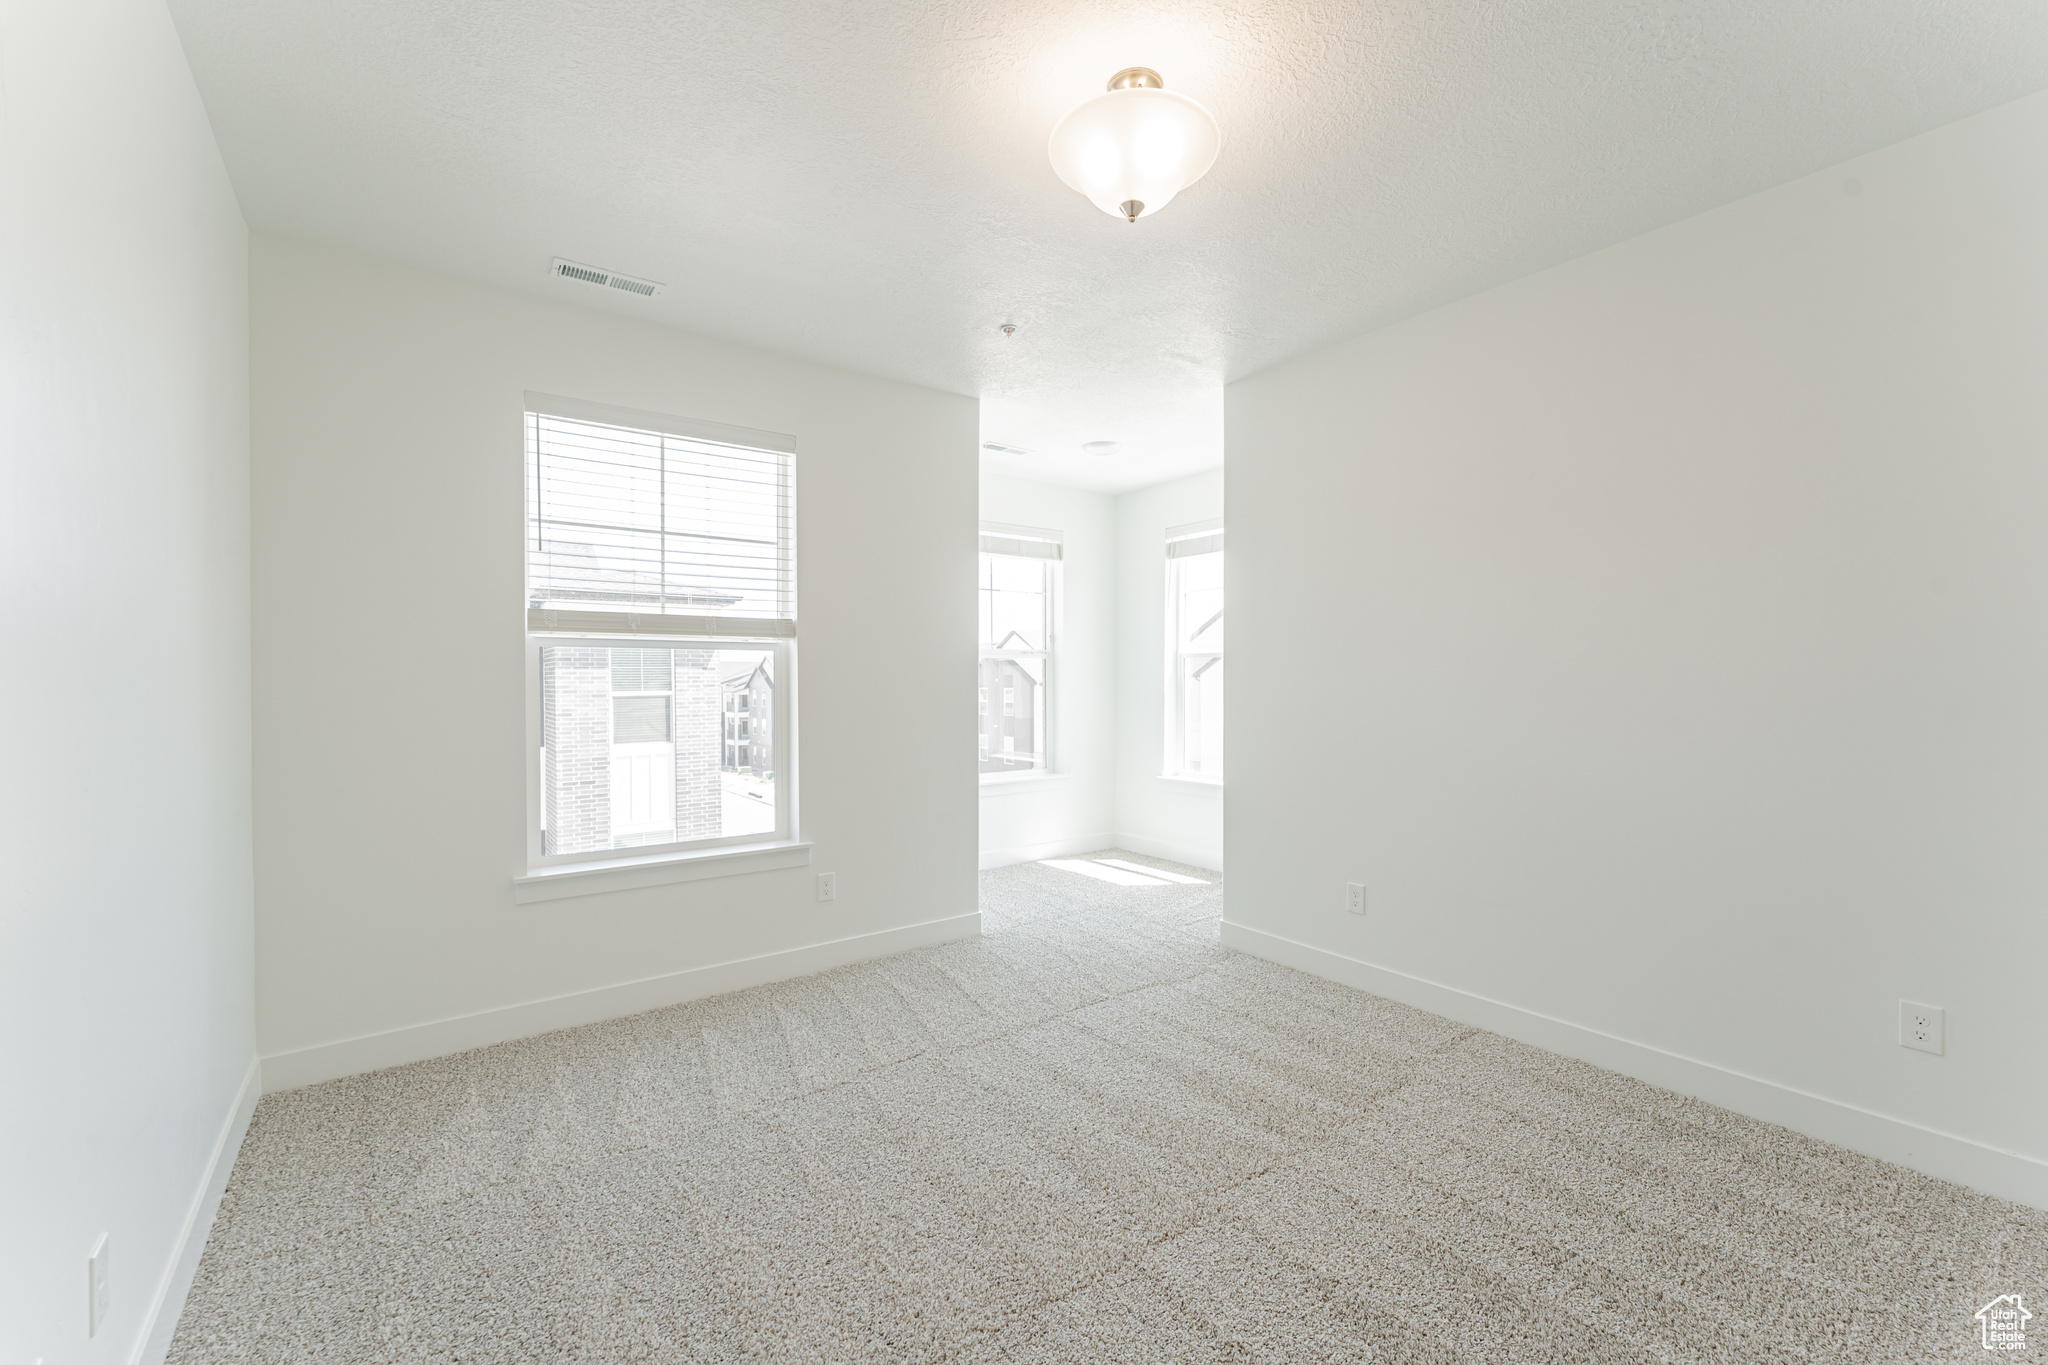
1017 598
1194 673
661 615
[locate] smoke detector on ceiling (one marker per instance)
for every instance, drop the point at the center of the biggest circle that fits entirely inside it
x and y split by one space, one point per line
998 448
605 279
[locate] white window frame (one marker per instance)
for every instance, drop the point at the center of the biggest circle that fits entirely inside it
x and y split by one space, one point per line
555 875
1175 751
997 532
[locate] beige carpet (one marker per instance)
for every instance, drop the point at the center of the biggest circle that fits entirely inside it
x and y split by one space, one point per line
1090 1136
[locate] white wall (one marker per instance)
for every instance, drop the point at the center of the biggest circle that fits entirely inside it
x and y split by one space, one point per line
1668 631
1072 809
391 693
126 1024
1164 816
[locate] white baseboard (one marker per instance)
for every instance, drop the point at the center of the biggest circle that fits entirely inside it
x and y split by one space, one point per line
1211 858
2008 1175
441 1037
1058 848
160 1324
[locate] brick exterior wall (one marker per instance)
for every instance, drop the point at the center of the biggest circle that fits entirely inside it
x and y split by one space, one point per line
576 703
700 793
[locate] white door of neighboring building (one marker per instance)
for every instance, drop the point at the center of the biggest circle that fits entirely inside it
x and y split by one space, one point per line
643 789
643 770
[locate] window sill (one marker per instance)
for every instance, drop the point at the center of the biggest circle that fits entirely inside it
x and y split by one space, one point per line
994 784
630 874
1201 784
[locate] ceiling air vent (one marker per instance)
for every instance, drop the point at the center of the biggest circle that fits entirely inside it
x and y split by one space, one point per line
605 279
998 448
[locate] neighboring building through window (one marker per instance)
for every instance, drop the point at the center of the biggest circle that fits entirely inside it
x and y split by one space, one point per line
661 613
1194 669
750 720
1017 601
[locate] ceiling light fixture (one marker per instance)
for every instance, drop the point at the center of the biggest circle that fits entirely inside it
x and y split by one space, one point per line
1101 447
1134 148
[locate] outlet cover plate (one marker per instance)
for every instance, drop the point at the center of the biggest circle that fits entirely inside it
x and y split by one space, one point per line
1921 1026
828 886
96 1296
1354 897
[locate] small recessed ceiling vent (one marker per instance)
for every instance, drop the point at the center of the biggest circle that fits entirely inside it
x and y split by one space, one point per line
998 448
605 279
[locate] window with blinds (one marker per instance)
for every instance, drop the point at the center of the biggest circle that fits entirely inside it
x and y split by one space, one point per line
645 525
661 616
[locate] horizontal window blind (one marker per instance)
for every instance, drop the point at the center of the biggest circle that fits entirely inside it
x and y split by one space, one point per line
650 530
1025 549
1195 545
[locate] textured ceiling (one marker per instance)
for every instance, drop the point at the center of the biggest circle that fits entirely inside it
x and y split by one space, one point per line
866 183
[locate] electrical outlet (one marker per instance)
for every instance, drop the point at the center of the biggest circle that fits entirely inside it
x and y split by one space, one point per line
828 886
1920 1026
96 1287
1354 897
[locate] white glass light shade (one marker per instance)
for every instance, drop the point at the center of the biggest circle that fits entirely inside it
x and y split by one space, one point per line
1137 146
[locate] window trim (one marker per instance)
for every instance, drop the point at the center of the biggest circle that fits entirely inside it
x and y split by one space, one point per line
579 410
632 874
1031 779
